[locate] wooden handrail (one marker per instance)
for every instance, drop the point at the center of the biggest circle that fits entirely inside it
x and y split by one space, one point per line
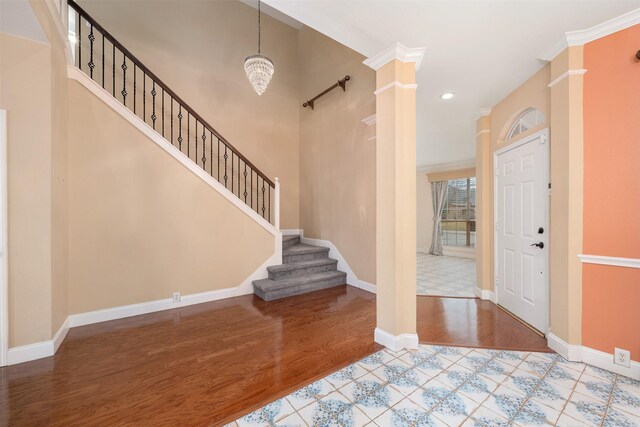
166 88
342 83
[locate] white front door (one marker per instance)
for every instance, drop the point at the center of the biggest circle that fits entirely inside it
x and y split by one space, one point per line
521 184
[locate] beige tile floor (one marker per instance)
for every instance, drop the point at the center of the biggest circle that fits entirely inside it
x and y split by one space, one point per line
446 276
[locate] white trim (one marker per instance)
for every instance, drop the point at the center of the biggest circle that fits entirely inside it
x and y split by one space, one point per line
565 75
123 311
395 84
371 138
591 356
399 52
4 247
60 335
334 253
580 37
371 120
446 167
396 343
293 232
485 295
246 287
482 132
610 260
75 74
29 352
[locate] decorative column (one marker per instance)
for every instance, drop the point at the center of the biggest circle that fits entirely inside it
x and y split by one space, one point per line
396 195
567 170
484 207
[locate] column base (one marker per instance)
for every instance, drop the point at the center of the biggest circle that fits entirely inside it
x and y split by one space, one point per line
396 342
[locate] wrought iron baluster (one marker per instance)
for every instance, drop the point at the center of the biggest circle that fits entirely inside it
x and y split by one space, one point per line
195 137
134 88
269 203
91 64
245 183
180 127
251 188
188 123
232 171
211 154
218 159
80 41
153 97
225 164
144 97
103 52
262 197
171 120
113 66
163 112
204 146
238 176
124 79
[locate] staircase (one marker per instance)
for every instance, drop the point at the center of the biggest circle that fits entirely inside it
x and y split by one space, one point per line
306 268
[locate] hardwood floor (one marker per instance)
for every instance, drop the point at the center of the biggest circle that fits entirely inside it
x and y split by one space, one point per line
210 363
471 322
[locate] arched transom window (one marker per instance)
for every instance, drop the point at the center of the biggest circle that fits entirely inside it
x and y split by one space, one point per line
529 119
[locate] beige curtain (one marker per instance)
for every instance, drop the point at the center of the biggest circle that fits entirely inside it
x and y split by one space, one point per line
438 195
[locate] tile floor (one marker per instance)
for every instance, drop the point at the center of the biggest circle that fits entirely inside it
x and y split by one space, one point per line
446 276
453 386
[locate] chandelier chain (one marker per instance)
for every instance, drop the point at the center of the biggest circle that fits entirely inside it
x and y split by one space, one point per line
259 28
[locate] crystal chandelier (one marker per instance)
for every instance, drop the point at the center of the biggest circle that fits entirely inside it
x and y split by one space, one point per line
259 68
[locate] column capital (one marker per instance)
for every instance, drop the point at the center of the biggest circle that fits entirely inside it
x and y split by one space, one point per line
396 52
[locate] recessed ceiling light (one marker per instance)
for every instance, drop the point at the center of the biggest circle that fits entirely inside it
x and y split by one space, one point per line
447 95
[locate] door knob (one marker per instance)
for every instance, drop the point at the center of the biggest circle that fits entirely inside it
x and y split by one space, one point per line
540 245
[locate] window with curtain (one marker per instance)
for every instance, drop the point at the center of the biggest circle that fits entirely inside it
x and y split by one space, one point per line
459 214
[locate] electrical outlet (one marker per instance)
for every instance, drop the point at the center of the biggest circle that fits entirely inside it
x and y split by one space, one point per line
176 297
622 357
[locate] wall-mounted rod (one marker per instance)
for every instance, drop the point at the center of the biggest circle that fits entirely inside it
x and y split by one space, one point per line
342 83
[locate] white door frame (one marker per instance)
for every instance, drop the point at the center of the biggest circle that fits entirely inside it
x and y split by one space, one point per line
4 244
544 134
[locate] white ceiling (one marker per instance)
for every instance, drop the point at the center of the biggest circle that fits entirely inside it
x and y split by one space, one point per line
17 18
480 50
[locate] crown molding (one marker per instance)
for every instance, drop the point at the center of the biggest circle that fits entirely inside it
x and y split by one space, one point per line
396 52
446 167
483 112
580 37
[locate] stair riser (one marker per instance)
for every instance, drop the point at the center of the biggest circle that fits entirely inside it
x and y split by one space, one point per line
303 271
302 289
288 243
304 257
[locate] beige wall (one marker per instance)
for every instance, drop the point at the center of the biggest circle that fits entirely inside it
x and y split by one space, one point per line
424 213
141 225
25 73
205 67
532 93
337 161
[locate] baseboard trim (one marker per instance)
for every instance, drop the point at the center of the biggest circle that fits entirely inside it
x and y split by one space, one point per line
130 310
591 356
293 232
396 342
485 295
343 265
39 350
